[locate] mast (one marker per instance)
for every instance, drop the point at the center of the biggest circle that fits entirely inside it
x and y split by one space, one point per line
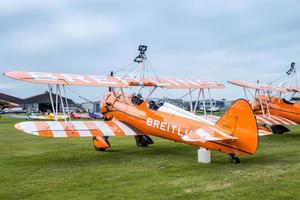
140 59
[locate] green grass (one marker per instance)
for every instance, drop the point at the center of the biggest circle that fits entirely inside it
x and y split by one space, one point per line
38 168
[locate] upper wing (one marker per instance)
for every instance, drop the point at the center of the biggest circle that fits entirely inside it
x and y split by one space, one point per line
109 81
258 86
55 129
172 83
67 79
293 89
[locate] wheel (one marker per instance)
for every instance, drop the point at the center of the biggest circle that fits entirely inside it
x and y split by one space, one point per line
101 145
279 129
143 140
100 149
234 159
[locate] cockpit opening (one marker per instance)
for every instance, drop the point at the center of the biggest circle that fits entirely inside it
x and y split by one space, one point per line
137 99
153 105
287 102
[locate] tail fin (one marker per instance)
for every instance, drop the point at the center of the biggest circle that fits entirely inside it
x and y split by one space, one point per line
239 120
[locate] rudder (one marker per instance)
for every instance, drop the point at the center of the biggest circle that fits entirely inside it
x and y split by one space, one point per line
239 121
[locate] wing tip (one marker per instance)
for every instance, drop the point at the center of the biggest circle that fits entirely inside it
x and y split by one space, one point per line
18 126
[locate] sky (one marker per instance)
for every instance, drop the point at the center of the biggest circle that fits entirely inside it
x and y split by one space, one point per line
215 40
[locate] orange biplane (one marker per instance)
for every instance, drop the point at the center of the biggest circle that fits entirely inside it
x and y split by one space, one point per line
126 114
7 104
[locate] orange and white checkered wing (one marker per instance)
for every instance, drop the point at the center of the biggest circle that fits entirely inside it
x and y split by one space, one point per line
56 129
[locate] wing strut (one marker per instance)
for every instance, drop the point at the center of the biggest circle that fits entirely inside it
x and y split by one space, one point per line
197 101
203 99
51 100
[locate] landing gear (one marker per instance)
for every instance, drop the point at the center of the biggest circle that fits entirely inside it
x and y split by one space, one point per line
279 129
101 143
143 140
234 159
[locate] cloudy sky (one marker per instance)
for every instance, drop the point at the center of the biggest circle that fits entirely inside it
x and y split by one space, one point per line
215 40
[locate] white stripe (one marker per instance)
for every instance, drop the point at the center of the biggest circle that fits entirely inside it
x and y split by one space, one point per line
169 108
223 134
29 127
288 120
263 119
263 133
188 82
280 120
161 83
125 129
81 128
270 118
104 128
57 129
174 82
122 80
259 121
205 135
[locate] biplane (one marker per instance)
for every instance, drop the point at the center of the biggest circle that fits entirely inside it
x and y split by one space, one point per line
89 115
270 107
75 115
131 114
7 104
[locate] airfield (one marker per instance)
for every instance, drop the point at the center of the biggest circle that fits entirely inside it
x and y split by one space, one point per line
39 168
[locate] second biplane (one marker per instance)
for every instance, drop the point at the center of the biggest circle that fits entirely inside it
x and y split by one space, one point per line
269 105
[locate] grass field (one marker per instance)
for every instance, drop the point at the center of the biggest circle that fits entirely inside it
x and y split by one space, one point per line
38 168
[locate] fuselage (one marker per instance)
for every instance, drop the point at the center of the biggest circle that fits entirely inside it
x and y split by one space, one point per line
280 107
168 121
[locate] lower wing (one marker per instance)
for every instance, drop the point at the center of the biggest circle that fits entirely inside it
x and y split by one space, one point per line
56 129
274 120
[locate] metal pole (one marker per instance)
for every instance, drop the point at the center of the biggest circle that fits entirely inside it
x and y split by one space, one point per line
51 99
209 100
68 108
261 105
191 100
198 97
151 92
203 97
245 93
56 103
62 102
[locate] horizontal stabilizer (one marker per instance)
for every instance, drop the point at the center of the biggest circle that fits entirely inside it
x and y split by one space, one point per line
207 134
53 129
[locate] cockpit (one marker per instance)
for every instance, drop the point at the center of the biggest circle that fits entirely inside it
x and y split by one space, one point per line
137 99
287 102
151 104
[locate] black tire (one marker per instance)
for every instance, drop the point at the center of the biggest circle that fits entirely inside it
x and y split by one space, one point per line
234 159
143 140
279 129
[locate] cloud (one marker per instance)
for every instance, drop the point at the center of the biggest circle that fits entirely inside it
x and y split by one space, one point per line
15 7
217 40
